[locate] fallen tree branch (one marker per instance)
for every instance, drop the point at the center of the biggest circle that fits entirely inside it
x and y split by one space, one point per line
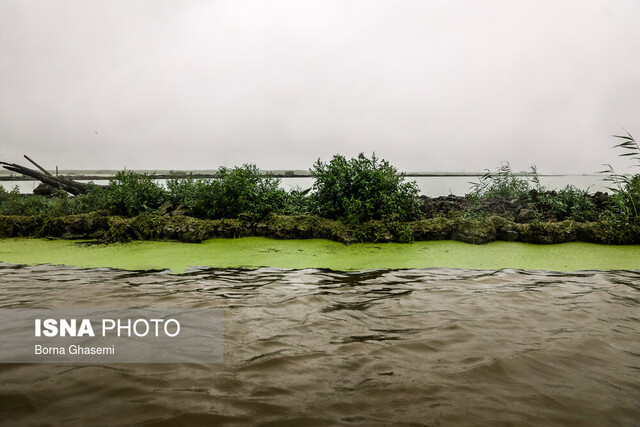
46 172
61 182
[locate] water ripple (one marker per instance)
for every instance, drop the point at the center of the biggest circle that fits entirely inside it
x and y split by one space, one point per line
320 347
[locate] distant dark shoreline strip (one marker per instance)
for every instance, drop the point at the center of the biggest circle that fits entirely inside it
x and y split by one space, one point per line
264 175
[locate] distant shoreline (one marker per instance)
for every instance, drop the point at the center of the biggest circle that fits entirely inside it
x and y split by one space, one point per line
91 175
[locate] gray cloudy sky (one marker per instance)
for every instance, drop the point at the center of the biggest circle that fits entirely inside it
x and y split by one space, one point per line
431 85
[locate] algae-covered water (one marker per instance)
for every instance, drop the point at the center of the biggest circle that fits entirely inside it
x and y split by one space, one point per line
496 342
255 252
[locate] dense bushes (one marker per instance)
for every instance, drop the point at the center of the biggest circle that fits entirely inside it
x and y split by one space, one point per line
195 194
620 218
13 203
366 195
353 191
236 191
131 194
362 189
567 203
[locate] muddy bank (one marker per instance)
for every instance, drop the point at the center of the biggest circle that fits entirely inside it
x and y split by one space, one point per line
465 228
518 209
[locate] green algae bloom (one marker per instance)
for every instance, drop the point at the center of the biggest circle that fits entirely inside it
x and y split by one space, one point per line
254 252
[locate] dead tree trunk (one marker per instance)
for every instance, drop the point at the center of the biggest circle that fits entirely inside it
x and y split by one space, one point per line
61 182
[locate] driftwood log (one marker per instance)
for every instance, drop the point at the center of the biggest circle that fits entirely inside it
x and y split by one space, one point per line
61 182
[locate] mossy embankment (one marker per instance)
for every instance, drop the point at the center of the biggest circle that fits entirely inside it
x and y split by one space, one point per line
464 228
352 200
254 252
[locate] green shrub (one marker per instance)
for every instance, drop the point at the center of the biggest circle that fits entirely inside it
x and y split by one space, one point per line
362 189
568 203
503 183
240 190
195 194
298 202
623 219
97 199
60 204
131 194
13 203
243 190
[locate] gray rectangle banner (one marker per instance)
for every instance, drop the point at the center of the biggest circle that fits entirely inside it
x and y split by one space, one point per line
111 336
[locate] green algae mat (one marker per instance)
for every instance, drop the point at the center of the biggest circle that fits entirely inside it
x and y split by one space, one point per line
253 252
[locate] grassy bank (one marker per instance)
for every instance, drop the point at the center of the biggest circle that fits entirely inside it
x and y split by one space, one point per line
352 200
456 226
254 252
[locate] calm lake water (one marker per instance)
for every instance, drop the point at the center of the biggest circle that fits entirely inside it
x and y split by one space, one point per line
314 347
429 186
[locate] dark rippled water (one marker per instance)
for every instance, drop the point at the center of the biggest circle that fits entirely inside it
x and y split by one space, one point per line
434 347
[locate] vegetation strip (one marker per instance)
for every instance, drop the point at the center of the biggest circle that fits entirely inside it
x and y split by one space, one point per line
479 230
254 252
352 200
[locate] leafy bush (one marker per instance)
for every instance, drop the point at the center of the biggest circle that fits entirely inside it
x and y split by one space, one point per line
97 199
243 190
131 194
195 194
60 205
362 189
298 202
568 203
235 191
13 203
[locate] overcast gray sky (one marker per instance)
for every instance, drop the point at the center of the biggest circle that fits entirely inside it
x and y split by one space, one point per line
447 85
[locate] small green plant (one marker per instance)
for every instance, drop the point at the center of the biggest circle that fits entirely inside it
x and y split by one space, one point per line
623 221
568 203
504 183
362 189
298 202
